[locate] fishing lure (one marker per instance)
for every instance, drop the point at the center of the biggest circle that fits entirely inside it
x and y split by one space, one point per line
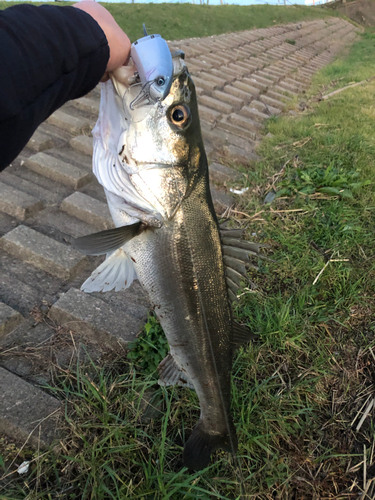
153 60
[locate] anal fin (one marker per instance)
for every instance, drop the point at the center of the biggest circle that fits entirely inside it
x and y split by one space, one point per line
171 374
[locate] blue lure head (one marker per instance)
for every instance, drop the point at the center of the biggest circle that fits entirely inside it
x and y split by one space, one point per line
153 60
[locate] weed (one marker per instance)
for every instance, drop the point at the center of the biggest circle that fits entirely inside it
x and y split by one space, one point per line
292 42
176 21
150 347
331 180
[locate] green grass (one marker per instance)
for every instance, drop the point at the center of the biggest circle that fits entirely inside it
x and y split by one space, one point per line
297 393
177 21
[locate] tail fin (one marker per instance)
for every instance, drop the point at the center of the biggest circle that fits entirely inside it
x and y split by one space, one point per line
201 444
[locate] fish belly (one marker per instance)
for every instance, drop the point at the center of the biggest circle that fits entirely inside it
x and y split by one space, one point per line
181 268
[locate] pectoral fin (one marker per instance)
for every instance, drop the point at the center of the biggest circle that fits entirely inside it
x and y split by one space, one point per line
117 273
106 241
171 374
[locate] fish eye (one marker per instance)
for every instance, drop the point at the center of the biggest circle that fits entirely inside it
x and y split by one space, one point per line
179 115
160 81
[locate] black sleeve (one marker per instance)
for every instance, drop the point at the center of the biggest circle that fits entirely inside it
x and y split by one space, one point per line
48 55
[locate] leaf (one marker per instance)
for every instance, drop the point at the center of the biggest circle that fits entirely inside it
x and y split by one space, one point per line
330 190
346 194
283 192
305 177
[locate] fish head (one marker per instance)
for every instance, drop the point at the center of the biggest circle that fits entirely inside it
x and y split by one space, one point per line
162 147
165 132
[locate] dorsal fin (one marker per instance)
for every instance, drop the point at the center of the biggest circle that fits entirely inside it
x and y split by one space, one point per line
242 335
236 258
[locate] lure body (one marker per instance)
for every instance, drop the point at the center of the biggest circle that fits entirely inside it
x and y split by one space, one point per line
152 57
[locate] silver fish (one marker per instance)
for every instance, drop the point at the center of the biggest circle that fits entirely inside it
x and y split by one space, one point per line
153 167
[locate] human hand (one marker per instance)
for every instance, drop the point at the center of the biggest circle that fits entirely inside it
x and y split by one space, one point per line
118 42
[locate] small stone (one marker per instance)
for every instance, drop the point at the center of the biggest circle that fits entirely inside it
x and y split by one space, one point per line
269 197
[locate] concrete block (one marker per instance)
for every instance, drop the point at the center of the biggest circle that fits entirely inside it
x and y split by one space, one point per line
9 319
40 141
218 137
225 73
82 144
27 414
237 130
96 319
43 252
88 104
269 75
258 82
253 113
207 114
72 124
219 59
17 203
88 209
277 96
243 122
191 52
234 101
58 170
285 89
250 89
217 81
265 108
203 64
216 104
239 69
30 187
221 174
259 62
193 69
251 67
289 84
244 95
221 200
204 84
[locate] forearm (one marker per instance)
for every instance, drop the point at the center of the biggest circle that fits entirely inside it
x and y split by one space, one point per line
49 55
